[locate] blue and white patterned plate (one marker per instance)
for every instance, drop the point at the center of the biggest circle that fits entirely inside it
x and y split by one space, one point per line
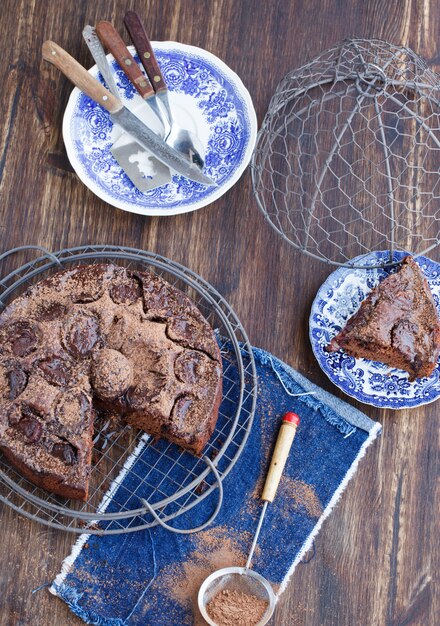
368 381
206 97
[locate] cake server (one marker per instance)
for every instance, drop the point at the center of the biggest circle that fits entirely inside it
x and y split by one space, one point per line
145 172
119 114
179 138
243 579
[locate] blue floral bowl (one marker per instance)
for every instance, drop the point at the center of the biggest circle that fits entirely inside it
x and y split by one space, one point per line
368 381
207 98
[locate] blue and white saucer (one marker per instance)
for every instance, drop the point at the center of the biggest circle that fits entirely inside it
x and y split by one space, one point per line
368 381
206 97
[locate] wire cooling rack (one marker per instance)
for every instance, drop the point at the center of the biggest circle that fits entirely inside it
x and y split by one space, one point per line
347 158
169 479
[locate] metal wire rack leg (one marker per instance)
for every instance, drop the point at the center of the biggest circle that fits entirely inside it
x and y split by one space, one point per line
188 531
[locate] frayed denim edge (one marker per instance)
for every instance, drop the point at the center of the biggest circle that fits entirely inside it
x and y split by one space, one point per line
72 597
345 417
328 413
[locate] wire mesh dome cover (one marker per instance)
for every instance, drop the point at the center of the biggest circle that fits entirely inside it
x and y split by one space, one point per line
165 480
347 158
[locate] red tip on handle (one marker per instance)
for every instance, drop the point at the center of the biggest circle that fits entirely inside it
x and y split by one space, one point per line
293 418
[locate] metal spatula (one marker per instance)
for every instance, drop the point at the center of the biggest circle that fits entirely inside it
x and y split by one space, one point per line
144 170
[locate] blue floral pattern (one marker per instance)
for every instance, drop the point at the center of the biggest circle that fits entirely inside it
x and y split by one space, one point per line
222 104
367 381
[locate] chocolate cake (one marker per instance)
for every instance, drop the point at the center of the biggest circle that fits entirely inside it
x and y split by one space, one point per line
101 337
397 324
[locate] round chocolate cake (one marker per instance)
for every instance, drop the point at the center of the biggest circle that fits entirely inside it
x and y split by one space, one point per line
100 337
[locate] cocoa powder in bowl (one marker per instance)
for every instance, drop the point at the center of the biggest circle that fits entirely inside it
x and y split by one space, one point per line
230 607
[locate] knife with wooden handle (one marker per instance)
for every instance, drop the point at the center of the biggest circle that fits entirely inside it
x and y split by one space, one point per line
114 43
139 37
145 172
80 77
141 42
121 115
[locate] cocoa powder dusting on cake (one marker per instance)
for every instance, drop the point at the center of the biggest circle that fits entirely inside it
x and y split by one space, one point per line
81 341
396 324
4 383
235 608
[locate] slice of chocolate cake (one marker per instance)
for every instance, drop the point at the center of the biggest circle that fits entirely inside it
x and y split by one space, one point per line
397 324
102 337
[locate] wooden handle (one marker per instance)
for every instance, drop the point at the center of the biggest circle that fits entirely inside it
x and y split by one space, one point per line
79 76
144 49
284 442
114 43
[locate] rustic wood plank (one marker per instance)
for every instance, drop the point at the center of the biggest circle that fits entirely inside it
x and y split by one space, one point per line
377 554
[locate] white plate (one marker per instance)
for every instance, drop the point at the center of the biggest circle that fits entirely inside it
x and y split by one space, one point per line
338 298
206 97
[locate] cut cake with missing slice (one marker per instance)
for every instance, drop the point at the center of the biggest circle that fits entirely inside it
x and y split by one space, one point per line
397 324
99 338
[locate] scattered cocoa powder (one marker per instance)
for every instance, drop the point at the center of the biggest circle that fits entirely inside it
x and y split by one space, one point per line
214 549
235 608
292 495
302 495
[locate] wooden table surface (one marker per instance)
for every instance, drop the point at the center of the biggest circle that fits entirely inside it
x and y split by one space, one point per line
377 555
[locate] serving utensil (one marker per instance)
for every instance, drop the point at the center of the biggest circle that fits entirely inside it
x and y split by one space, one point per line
121 115
114 43
243 579
145 172
181 139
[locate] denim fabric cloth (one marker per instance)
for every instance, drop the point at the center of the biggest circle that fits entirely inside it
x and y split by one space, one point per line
152 576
